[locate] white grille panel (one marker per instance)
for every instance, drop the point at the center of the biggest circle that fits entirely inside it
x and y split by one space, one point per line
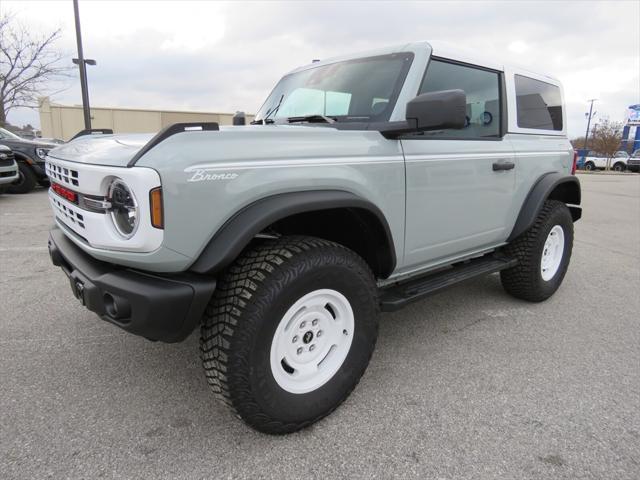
66 213
62 174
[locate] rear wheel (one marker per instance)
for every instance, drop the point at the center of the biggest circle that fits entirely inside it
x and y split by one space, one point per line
26 182
543 253
289 332
589 166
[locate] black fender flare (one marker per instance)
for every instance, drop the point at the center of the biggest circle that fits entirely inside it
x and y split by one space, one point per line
553 185
229 241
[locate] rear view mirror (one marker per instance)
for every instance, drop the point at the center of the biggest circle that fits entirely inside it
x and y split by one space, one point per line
438 110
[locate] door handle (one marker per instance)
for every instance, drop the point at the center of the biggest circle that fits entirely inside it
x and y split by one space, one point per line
503 165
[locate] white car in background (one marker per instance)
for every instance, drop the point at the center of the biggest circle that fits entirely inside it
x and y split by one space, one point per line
598 161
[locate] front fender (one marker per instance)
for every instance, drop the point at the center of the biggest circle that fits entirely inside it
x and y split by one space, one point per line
238 231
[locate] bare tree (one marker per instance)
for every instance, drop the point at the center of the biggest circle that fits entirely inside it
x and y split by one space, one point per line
605 138
28 64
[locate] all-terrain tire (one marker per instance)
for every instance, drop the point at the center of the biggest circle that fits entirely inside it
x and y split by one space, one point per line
243 316
26 182
525 280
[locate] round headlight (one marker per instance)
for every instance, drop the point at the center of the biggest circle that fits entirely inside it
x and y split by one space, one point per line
124 208
42 152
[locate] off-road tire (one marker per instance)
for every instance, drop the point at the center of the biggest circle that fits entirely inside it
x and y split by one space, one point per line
26 182
525 280
240 321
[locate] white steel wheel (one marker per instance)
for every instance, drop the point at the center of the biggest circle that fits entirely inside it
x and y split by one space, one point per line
312 341
552 253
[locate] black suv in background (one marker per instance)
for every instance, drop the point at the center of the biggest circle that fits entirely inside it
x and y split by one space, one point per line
30 155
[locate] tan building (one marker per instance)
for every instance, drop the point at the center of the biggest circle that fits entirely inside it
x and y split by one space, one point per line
64 121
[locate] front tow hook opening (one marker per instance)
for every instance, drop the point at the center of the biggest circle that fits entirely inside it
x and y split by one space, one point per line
116 307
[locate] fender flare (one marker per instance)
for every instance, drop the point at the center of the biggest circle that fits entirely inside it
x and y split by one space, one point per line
556 185
229 241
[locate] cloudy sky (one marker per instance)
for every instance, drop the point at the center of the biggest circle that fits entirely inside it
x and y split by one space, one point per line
213 56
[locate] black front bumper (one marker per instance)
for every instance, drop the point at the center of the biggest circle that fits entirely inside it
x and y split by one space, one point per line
146 304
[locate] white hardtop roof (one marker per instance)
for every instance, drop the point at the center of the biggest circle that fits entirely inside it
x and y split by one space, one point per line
439 49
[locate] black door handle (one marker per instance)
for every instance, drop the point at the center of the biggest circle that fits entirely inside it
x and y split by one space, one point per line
503 165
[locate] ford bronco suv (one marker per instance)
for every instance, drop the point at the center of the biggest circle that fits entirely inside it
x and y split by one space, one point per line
365 182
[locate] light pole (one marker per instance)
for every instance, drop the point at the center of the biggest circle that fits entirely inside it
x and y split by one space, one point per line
589 117
82 65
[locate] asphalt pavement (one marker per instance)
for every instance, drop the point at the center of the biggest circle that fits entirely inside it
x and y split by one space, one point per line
469 383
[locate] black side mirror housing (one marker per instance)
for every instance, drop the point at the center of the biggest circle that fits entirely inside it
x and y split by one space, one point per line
431 111
438 110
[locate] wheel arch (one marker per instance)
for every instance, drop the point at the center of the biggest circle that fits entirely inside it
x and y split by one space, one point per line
335 215
550 186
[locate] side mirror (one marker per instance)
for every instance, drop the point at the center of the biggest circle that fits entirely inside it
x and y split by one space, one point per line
431 111
438 110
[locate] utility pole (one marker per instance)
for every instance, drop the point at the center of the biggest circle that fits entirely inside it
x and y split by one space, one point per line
589 117
82 65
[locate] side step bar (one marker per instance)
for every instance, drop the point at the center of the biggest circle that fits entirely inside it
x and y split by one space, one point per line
394 297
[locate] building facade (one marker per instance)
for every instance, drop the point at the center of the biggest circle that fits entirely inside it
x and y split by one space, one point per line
64 121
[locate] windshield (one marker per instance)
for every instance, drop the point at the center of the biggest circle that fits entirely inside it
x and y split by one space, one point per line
360 90
7 134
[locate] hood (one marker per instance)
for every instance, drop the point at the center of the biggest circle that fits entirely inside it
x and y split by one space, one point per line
116 150
110 150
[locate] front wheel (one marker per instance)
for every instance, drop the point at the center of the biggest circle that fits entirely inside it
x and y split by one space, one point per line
26 181
543 253
289 332
619 167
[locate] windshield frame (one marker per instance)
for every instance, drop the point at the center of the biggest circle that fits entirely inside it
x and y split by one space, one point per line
345 119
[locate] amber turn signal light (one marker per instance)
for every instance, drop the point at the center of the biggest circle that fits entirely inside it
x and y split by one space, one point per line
157 213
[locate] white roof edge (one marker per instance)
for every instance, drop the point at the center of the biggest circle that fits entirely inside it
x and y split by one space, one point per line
447 50
439 49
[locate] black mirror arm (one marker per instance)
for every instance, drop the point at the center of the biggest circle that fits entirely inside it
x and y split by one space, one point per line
393 130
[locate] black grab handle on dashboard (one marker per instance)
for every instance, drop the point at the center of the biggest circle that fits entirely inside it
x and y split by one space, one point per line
167 132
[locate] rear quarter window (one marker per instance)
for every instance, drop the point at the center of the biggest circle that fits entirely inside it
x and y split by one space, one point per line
538 104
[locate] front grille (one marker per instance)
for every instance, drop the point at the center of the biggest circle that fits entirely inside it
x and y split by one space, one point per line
69 213
62 174
7 161
635 161
8 174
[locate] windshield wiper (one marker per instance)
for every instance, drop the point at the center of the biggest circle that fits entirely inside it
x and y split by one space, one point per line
312 119
266 119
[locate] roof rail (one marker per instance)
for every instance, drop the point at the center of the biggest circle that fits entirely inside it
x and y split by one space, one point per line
92 131
167 132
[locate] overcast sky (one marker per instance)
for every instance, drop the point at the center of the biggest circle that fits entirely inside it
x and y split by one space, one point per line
227 56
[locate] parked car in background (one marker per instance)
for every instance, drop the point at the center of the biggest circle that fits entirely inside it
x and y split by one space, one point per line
633 164
598 161
8 168
57 141
30 155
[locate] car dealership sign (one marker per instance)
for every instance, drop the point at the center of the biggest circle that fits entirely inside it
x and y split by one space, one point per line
633 115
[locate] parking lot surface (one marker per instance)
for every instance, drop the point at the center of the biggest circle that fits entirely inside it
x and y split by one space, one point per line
469 383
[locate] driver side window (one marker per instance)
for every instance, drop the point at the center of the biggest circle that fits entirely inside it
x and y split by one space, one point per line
482 88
